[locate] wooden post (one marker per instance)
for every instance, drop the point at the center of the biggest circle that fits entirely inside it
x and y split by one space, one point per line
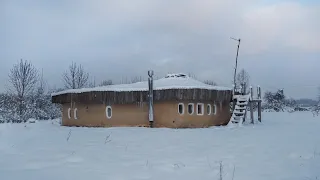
245 116
259 104
233 91
251 105
233 100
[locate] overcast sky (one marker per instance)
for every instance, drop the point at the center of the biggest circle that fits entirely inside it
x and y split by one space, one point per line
114 39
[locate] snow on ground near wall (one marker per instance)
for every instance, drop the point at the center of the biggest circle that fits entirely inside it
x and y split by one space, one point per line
285 146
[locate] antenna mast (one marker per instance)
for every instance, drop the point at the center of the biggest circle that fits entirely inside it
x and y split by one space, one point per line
235 69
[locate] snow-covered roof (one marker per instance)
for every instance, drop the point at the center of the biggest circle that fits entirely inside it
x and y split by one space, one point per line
170 81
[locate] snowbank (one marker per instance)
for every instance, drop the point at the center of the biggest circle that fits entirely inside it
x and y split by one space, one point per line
284 146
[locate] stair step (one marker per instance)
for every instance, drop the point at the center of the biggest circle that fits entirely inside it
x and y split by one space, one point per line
238 111
243 103
240 108
237 118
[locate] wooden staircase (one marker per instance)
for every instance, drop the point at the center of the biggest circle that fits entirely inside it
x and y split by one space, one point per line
240 109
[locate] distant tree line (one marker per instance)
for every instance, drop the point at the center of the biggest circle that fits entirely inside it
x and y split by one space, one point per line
278 102
28 94
316 107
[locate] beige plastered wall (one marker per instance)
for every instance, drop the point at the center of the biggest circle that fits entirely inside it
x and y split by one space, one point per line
165 115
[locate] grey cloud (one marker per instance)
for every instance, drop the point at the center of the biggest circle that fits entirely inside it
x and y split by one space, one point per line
118 39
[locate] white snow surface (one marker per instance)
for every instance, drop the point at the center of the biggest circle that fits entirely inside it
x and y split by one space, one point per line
169 82
285 146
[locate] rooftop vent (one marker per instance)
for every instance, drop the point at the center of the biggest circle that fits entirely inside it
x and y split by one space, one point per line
179 75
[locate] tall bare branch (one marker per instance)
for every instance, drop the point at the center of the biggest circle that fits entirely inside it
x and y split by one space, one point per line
106 83
243 80
82 77
75 77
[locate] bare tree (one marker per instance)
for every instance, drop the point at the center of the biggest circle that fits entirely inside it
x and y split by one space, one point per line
316 108
23 78
42 85
191 75
106 83
136 79
210 82
75 77
243 80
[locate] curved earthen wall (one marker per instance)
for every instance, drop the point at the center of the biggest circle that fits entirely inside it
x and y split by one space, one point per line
165 115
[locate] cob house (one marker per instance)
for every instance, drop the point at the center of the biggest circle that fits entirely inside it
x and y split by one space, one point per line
175 101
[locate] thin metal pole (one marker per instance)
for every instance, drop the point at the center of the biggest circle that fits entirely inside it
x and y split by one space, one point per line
235 69
150 94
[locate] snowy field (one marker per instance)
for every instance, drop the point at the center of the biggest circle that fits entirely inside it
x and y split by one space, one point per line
285 146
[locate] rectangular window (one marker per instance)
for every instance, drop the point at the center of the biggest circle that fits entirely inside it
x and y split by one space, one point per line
181 108
209 109
200 109
190 108
214 111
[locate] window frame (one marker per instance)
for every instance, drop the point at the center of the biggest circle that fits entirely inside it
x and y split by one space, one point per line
202 109
192 104
75 113
181 104
214 109
108 107
210 111
69 113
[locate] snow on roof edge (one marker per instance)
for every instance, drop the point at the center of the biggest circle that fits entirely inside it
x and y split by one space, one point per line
83 90
160 84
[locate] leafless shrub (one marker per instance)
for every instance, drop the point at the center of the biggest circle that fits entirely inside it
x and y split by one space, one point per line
69 135
107 139
234 169
220 171
209 163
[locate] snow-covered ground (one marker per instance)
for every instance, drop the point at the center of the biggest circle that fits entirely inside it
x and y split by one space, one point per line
285 146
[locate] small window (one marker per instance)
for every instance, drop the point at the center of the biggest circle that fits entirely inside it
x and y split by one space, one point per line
108 112
214 111
209 109
200 108
181 108
69 113
190 108
75 113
